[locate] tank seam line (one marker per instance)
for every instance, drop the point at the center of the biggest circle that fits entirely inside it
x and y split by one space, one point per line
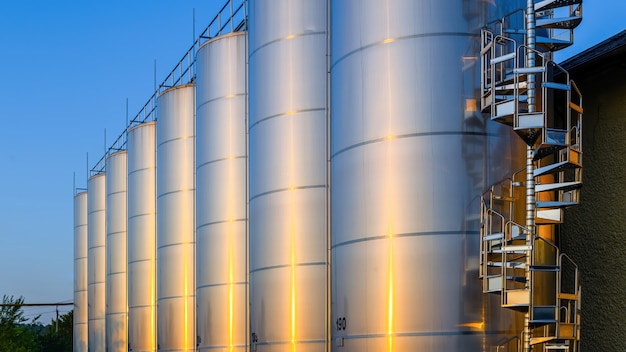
177 191
282 114
175 139
227 96
408 234
287 266
222 284
220 159
142 214
410 135
287 189
116 233
219 222
115 193
289 37
175 244
142 169
414 36
140 260
267 343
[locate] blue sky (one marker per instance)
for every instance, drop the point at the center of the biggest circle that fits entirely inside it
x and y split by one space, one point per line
67 69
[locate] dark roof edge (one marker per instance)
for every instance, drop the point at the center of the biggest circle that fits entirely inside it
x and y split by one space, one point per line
613 43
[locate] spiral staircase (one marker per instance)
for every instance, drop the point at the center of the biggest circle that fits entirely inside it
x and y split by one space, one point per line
523 88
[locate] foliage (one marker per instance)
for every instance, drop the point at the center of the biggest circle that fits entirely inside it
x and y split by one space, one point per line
14 337
17 334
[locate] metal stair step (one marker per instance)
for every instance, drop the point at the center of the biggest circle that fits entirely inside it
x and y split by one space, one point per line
549 216
508 264
554 168
513 249
555 204
542 339
568 296
545 268
493 236
553 4
552 44
554 85
556 347
558 186
559 23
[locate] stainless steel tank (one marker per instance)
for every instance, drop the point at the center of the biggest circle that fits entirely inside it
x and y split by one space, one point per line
96 274
80 331
288 175
176 304
141 191
410 158
221 194
116 255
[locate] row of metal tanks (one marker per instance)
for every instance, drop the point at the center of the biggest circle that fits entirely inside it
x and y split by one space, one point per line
313 190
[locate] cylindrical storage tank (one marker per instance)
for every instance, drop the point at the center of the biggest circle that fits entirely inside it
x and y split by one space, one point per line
409 162
80 331
96 277
176 261
116 262
288 175
221 194
142 287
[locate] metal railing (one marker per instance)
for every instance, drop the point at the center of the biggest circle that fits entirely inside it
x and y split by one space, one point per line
232 17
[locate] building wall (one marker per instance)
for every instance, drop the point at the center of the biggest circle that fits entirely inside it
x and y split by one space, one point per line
593 232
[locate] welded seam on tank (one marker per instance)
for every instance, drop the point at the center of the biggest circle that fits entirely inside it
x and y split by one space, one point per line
142 169
289 37
286 113
175 139
142 214
116 233
227 96
221 159
212 347
176 191
96 211
414 36
410 234
116 273
115 193
219 222
286 189
140 260
287 266
222 284
143 306
96 247
174 297
416 134
175 244
268 343
415 334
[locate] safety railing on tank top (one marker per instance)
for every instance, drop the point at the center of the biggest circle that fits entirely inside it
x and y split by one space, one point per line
232 17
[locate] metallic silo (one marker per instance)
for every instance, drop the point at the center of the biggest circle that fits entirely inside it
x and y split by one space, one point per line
410 158
80 272
142 320
221 194
116 255
96 277
288 168
175 220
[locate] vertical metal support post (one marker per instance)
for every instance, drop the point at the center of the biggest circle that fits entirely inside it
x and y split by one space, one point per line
530 180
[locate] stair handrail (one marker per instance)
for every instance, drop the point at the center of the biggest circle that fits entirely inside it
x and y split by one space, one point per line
504 342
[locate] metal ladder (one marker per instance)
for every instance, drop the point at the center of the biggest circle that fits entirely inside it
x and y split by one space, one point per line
544 107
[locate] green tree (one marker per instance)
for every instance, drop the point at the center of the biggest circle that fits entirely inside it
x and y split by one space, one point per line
52 340
15 334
